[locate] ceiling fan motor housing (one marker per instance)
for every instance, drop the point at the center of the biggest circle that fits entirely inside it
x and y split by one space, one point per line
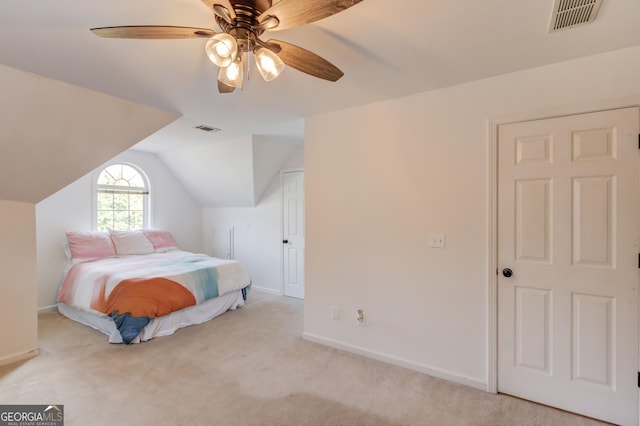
245 26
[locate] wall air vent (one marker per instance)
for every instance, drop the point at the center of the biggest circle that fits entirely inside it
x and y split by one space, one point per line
207 128
569 13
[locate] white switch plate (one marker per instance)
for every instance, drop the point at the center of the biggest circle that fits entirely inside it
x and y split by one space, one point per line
437 240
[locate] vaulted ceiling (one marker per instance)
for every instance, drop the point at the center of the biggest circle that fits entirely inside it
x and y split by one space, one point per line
385 48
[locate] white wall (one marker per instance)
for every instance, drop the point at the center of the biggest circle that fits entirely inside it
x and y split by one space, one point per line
226 166
71 209
257 230
420 165
18 315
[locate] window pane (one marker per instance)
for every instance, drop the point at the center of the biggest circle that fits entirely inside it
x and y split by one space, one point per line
136 202
105 220
115 171
122 182
128 172
121 202
105 201
121 220
106 179
136 182
137 219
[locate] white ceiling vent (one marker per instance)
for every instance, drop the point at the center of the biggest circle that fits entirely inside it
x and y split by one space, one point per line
569 13
205 128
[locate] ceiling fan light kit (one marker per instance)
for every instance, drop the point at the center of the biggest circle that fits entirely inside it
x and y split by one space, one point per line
221 49
269 64
242 23
232 75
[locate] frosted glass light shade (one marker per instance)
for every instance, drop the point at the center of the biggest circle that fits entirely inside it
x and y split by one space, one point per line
231 75
269 64
221 49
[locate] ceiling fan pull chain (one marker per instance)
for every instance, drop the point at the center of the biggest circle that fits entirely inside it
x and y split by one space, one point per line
248 61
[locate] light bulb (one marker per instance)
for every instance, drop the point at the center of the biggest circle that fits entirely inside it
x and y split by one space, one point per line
269 64
231 75
221 49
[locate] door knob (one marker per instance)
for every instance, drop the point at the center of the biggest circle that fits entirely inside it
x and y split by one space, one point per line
285 241
507 272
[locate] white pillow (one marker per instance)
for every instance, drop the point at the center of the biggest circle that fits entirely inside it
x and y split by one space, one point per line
130 242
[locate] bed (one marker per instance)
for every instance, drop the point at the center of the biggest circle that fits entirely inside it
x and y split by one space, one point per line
134 286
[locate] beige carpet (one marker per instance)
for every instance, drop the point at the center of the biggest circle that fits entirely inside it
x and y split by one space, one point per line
246 367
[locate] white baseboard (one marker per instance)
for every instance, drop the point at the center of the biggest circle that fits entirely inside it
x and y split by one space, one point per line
265 290
48 309
390 359
10 359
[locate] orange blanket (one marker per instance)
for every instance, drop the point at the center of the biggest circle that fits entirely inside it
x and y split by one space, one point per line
139 297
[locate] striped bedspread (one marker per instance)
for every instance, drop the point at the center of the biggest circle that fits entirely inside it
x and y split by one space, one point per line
135 289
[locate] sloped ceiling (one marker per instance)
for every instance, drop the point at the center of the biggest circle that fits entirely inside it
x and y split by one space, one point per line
51 132
269 153
386 49
232 173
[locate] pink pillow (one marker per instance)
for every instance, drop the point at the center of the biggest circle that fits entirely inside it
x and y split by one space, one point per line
90 245
130 242
161 240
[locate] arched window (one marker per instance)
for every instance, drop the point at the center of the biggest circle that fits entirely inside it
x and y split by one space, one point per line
122 193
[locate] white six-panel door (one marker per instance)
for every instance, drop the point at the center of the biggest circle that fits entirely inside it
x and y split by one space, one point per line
568 220
293 229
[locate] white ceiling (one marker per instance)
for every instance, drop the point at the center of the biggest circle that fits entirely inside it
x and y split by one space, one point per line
386 49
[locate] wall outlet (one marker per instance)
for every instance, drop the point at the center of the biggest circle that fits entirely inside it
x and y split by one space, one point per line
361 318
437 240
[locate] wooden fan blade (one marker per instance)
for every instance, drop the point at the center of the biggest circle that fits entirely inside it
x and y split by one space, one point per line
152 32
223 88
292 13
224 3
305 61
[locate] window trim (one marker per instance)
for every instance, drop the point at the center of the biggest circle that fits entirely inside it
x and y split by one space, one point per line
96 188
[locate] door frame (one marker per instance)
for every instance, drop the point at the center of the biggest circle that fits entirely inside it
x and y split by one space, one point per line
492 216
282 172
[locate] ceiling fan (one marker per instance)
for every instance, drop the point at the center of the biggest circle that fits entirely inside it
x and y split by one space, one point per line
242 23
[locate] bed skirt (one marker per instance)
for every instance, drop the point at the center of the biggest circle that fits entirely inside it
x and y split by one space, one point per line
161 326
